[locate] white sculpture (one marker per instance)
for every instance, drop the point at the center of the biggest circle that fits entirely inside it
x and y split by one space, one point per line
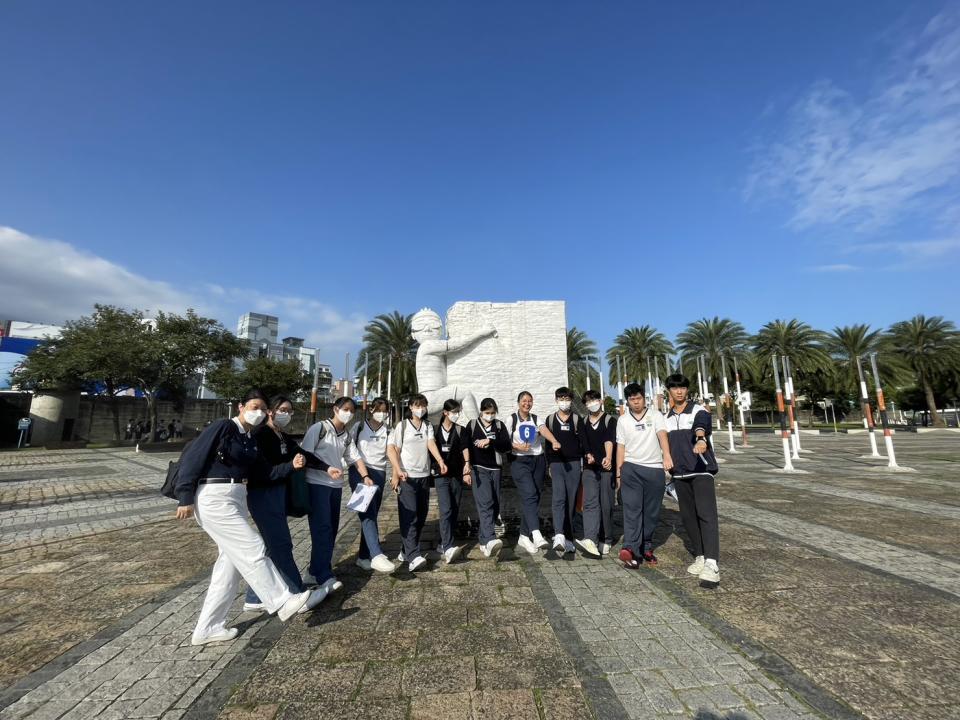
427 329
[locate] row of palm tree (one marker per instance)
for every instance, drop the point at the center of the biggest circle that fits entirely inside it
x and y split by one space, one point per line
922 352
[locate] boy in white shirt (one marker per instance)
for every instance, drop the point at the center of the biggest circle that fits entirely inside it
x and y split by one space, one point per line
643 452
409 448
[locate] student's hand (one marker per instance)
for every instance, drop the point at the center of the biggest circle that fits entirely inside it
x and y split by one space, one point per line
700 447
606 463
184 512
443 467
397 479
523 447
335 473
556 445
590 459
368 480
618 482
482 443
667 463
467 477
299 461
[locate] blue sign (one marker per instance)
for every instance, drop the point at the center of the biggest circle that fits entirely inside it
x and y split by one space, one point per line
527 433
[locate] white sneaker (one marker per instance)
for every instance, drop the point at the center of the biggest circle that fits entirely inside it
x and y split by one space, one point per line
492 548
418 562
527 544
569 547
605 548
316 597
382 564
589 547
710 575
539 540
697 567
363 564
670 490
400 558
224 635
291 606
451 554
254 607
332 585
559 542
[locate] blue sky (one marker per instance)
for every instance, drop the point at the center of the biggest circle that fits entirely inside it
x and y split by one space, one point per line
325 162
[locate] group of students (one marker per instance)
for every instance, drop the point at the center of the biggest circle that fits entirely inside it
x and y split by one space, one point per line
242 465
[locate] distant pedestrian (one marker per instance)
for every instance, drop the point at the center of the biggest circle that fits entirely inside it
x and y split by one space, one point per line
212 484
178 428
138 430
129 431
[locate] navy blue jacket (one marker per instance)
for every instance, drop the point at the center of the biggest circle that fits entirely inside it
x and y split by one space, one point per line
682 436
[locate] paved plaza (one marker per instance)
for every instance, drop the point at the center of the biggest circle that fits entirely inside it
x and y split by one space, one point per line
840 598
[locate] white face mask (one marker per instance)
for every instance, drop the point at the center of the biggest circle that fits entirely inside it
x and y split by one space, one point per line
344 416
593 406
488 417
453 417
418 412
281 419
379 416
253 417
564 405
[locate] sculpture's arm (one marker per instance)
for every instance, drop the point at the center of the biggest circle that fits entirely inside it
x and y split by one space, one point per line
461 343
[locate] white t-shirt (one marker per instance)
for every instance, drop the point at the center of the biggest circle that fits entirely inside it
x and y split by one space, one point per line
536 447
638 435
414 454
371 446
332 448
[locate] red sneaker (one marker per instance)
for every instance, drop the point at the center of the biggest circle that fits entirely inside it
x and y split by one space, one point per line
649 558
628 560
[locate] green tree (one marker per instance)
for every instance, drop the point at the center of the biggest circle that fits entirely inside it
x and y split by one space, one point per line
96 353
389 336
930 347
273 376
845 344
635 346
718 340
173 348
581 354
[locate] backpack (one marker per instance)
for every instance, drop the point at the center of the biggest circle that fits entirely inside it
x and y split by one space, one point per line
169 487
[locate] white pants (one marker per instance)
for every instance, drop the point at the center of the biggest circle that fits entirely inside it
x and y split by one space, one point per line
221 510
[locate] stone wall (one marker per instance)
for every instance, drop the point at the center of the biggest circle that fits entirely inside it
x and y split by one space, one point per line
529 353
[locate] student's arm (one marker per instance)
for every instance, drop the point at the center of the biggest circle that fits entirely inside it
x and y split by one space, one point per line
665 448
313 462
398 475
701 431
621 452
467 473
545 431
194 463
435 451
582 437
502 443
607 461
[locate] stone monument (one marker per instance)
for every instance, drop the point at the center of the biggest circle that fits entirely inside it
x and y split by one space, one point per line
492 350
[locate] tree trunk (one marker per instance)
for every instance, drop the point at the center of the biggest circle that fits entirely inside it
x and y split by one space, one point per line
115 411
152 415
931 402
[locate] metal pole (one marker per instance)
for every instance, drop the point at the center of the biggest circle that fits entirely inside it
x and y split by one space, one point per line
867 415
726 394
600 366
620 378
784 433
389 378
789 402
743 421
788 378
833 411
887 434
587 364
366 360
316 385
380 376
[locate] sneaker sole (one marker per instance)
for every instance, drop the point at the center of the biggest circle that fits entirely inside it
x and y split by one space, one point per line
589 553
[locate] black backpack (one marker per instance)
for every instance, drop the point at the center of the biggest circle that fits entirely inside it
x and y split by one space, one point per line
169 488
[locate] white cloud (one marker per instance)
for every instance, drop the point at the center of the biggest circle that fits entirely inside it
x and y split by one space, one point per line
867 162
835 268
50 281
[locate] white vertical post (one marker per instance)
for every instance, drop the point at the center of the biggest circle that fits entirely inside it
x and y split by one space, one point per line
887 434
788 399
788 378
743 420
600 366
867 415
784 433
586 364
390 378
380 376
726 394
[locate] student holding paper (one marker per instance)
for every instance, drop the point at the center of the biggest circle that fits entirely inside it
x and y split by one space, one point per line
449 485
370 445
409 449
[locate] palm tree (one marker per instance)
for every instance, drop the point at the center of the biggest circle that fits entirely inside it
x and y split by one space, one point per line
635 346
930 347
389 336
581 353
718 340
845 344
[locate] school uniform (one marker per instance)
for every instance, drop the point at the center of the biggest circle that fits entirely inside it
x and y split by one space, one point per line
212 477
370 446
329 445
565 469
693 476
450 486
599 485
528 470
641 477
486 472
413 502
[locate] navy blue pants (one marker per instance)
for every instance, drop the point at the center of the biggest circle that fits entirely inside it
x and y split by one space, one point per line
449 494
324 523
268 508
369 532
641 489
565 482
413 502
486 496
528 473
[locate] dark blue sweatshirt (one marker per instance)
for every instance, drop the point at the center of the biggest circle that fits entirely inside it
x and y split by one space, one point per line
682 436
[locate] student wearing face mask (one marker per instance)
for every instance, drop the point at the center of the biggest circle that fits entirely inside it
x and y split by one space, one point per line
565 457
212 484
598 435
486 438
267 496
528 470
410 447
330 441
370 445
448 435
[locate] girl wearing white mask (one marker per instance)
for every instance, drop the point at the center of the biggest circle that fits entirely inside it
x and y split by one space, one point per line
212 484
330 441
448 435
370 445
487 438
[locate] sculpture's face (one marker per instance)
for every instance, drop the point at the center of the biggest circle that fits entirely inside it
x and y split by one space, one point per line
426 325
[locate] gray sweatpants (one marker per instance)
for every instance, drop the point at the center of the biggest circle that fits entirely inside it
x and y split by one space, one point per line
641 489
565 482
